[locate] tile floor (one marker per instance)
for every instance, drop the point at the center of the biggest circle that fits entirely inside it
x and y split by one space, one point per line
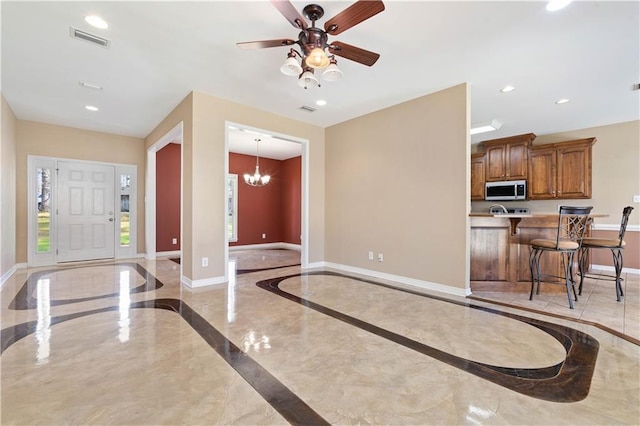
597 303
124 343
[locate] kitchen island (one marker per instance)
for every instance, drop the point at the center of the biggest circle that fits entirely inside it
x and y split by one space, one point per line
500 252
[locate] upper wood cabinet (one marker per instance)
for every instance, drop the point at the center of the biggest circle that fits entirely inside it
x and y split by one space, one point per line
560 170
506 158
477 176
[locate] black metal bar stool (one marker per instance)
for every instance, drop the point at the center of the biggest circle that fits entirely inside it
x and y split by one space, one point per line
572 223
615 245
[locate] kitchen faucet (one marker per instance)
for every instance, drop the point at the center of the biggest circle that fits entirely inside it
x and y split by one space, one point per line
500 206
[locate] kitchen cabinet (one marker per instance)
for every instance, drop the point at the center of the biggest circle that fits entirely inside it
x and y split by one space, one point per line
560 170
499 253
506 158
477 176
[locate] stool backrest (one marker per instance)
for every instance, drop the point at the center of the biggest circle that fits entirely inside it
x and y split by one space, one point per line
623 225
572 223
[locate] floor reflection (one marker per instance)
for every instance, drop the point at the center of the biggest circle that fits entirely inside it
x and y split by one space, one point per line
43 326
123 305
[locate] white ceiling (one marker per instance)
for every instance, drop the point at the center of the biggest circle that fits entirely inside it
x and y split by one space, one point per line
161 51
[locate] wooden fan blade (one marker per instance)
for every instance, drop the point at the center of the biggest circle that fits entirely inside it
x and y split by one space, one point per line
353 15
353 53
289 11
265 43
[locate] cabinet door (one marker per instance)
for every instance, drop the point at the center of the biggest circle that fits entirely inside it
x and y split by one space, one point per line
550 263
542 174
495 163
477 177
574 172
516 161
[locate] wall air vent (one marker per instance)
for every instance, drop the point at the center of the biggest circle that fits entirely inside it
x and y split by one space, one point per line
92 38
307 108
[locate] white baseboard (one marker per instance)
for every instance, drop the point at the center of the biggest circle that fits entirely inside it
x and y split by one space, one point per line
315 265
612 269
426 285
203 282
8 274
22 265
150 256
266 246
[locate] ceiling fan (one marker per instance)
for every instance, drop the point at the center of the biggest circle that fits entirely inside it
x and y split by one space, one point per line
313 41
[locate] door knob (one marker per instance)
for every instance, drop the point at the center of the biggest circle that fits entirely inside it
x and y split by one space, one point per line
110 219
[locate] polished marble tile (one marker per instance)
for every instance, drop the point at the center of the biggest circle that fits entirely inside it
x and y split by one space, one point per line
206 357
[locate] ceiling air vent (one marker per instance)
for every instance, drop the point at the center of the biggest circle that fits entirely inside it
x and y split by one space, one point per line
307 108
76 33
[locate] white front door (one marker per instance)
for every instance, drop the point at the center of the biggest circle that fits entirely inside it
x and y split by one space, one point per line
86 211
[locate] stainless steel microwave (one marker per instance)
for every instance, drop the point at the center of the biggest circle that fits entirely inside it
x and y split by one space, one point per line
506 190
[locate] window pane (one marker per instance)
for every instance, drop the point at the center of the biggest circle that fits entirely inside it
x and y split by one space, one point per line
125 217
43 194
232 207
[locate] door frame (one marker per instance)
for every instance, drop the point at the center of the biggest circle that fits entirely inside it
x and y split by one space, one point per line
50 258
175 135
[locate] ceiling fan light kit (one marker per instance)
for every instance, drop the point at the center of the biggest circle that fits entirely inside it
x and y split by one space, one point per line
291 66
313 41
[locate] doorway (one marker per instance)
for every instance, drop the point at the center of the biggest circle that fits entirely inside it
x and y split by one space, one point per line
283 210
80 211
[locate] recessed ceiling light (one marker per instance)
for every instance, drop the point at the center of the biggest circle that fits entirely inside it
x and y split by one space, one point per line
554 5
562 101
96 21
321 102
91 108
90 86
507 89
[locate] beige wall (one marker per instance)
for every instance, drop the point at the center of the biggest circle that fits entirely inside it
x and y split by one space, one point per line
397 184
204 178
8 185
66 142
616 172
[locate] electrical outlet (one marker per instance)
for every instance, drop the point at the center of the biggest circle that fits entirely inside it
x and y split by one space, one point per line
205 262
264 236
380 257
174 241
636 198
370 255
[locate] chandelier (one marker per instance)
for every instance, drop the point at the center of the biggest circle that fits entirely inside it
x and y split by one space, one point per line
256 179
315 60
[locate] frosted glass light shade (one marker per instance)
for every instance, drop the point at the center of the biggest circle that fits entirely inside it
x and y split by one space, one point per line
291 67
307 79
332 73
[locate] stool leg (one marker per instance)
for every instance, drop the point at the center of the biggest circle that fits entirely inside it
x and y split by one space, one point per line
532 257
538 269
567 278
571 255
617 263
582 265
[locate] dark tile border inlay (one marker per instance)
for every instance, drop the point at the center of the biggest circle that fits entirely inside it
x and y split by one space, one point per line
567 381
564 317
248 271
24 298
281 398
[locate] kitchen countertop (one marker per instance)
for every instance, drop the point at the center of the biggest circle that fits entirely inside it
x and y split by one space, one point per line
514 215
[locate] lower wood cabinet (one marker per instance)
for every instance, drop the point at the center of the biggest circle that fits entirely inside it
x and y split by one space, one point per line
499 259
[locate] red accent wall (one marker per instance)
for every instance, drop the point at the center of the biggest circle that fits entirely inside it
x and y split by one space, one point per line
168 189
268 209
291 199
